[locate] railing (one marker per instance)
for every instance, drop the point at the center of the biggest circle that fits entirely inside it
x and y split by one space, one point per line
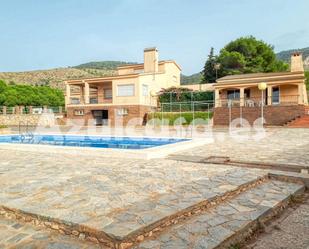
92 100
283 100
10 110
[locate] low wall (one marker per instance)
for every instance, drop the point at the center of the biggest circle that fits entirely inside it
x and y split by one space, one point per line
45 119
273 115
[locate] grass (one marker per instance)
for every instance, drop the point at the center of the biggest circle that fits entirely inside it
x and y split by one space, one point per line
186 117
3 126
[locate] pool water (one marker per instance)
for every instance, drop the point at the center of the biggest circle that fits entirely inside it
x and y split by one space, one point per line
90 141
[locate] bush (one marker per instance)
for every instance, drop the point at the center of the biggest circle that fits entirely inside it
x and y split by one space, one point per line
188 116
13 95
181 94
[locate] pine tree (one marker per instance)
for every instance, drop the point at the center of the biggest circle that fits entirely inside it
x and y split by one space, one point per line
209 71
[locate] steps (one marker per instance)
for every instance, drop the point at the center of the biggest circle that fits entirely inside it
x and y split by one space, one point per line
221 214
229 222
301 122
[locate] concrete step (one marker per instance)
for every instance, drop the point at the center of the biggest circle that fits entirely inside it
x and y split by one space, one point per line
300 122
230 222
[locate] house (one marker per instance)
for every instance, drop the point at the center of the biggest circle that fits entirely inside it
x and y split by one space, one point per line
284 99
118 99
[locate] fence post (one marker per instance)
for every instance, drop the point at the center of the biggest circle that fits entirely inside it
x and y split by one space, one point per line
60 109
4 110
30 109
162 106
193 114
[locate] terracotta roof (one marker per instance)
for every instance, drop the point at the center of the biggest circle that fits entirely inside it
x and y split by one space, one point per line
253 78
256 75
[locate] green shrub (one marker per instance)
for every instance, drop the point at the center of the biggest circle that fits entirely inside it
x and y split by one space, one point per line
13 95
188 116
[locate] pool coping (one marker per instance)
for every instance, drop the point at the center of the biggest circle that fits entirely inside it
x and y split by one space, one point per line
161 151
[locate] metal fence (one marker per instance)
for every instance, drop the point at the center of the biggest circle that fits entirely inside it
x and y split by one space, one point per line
10 110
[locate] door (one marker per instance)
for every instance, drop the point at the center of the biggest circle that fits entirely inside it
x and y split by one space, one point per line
101 117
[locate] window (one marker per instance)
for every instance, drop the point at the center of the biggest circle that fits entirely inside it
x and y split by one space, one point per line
78 112
108 93
145 90
233 94
122 112
174 78
93 100
75 101
125 90
276 96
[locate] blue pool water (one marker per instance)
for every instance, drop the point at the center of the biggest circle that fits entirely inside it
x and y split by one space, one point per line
90 141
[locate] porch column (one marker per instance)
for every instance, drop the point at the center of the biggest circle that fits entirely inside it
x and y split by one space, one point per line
305 94
68 93
242 96
300 94
217 98
269 95
86 93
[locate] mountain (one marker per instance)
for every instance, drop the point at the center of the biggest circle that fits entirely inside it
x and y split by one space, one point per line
56 77
286 56
190 79
105 65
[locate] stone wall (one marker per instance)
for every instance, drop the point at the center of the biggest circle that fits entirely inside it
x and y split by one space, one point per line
27 119
274 115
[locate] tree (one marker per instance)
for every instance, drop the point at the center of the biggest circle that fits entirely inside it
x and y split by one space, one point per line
209 71
2 86
307 81
249 55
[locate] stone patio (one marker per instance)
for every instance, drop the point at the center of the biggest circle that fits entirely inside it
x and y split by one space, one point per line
277 146
114 199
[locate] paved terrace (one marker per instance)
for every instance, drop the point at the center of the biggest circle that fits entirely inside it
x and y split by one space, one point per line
121 197
276 146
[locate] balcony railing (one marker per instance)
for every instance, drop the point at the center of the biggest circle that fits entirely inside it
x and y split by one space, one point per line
283 100
92 100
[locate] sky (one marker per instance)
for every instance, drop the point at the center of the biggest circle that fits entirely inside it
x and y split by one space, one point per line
44 34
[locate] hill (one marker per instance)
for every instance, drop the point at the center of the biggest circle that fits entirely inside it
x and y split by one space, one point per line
286 56
190 79
53 77
56 77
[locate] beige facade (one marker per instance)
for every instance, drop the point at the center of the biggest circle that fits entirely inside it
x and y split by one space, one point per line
134 85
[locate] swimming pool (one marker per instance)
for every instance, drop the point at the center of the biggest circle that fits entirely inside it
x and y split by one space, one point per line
135 143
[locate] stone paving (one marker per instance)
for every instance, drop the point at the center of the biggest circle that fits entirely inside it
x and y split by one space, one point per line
115 196
16 235
289 231
278 146
211 228
120 196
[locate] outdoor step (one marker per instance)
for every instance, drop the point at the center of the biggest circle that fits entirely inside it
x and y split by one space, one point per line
300 122
128 225
230 222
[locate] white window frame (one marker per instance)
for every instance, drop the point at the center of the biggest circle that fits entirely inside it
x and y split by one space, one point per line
145 90
79 112
126 94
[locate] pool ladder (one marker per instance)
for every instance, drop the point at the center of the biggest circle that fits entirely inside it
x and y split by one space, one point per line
25 137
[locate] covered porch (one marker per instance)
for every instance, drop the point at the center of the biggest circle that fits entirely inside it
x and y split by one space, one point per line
85 93
279 94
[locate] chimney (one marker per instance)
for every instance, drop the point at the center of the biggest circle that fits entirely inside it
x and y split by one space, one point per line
297 62
151 60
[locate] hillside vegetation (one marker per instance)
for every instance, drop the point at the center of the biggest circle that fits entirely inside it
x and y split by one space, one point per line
13 95
55 77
